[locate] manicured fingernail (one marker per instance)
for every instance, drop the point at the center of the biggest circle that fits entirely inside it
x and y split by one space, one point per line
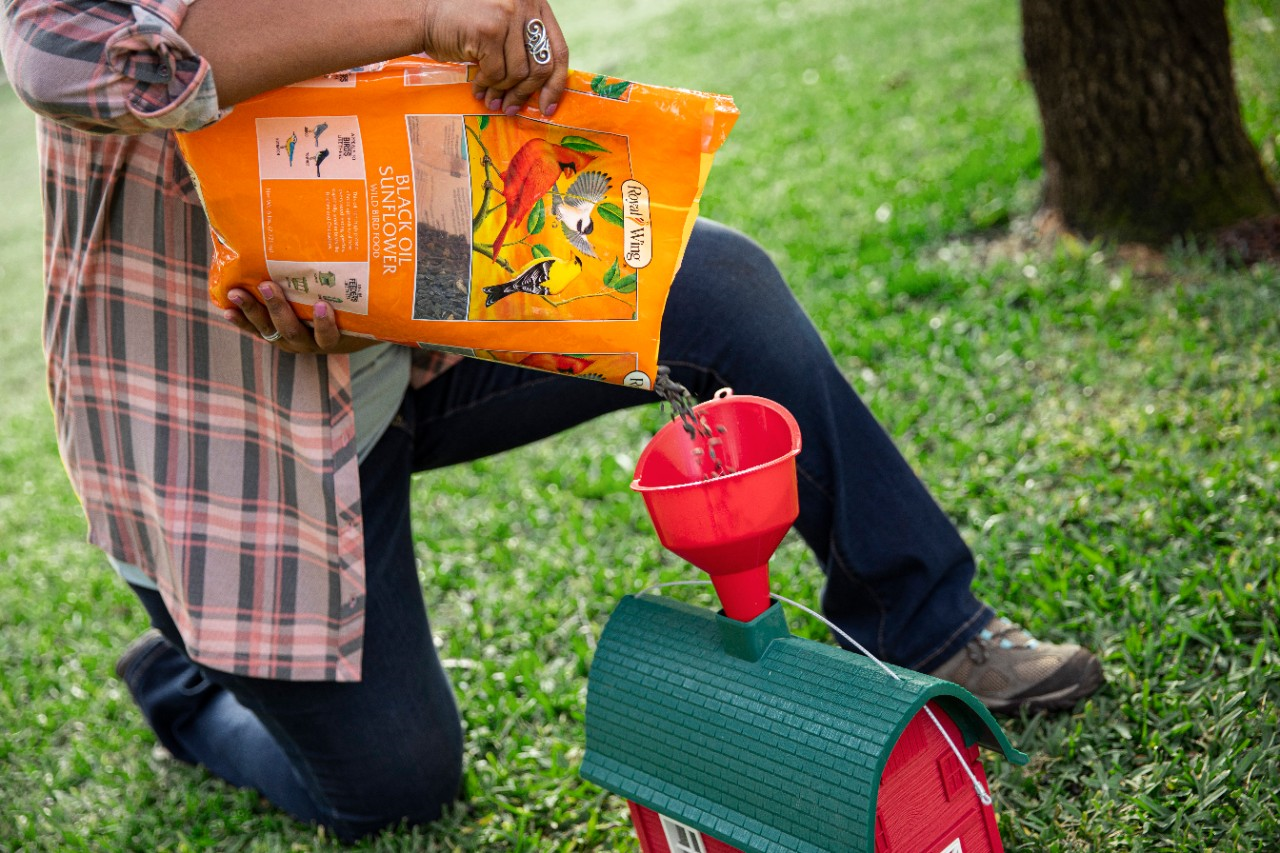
236 297
550 110
266 291
321 310
495 104
479 96
513 110
230 315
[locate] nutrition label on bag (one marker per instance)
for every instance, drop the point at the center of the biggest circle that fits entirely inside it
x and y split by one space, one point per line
314 208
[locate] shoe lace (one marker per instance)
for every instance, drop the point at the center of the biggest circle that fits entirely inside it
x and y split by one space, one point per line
999 634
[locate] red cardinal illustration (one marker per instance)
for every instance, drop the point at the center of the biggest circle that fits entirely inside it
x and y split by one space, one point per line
557 363
532 172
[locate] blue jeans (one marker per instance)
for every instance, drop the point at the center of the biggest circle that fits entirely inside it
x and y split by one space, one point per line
357 757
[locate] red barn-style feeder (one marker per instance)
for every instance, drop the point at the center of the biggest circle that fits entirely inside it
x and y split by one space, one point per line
726 733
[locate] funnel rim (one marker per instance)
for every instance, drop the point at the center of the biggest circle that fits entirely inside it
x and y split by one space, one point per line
638 487
788 418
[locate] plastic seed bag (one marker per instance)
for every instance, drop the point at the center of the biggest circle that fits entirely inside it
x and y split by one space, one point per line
548 244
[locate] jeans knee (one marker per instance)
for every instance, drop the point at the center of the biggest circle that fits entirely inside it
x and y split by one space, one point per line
414 794
727 250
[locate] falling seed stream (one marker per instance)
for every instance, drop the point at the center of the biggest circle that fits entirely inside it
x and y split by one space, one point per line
682 402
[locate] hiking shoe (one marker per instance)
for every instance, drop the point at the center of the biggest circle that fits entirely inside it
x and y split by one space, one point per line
1008 670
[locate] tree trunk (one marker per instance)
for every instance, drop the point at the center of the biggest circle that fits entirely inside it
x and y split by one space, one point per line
1143 139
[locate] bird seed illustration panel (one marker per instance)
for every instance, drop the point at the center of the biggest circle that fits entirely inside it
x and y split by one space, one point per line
440 215
547 217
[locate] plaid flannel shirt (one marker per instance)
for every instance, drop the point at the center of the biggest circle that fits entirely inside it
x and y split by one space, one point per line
222 467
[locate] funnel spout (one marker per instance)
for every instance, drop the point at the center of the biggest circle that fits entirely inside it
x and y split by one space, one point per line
744 594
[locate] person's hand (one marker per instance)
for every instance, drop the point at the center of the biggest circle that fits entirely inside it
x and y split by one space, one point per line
274 320
517 46
256 47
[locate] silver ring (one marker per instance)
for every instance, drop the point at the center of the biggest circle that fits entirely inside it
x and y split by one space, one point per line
536 41
273 337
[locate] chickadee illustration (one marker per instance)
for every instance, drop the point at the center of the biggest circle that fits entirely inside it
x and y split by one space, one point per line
575 207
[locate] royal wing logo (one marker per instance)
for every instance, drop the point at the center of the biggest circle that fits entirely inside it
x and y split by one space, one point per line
637 229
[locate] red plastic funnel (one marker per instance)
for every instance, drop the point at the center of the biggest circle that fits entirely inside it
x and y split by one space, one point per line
727 524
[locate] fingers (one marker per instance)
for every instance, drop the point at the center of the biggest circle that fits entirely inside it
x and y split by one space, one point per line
520 53
325 331
492 80
296 336
547 78
250 315
240 315
274 315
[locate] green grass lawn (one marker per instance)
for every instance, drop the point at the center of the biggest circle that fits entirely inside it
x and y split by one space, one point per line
1109 442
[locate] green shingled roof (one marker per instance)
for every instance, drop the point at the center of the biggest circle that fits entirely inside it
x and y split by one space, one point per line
783 753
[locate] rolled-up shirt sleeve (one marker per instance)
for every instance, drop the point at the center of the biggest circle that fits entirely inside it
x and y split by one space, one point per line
108 67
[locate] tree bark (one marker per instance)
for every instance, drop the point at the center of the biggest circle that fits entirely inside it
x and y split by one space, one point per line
1143 138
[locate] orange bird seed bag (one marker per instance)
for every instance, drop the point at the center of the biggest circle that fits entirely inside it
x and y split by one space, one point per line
550 244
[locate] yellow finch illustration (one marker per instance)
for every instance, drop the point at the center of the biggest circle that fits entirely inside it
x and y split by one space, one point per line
543 277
